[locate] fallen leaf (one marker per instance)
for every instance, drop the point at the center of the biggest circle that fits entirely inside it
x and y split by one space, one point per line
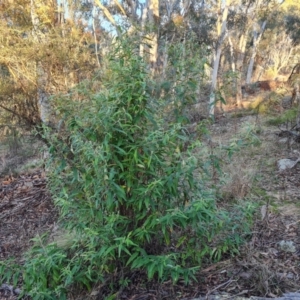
94 293
263 211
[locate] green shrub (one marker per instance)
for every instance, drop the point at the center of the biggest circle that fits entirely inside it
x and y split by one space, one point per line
286 118
127 181
134 200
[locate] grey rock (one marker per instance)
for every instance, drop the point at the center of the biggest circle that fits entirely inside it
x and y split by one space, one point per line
285 164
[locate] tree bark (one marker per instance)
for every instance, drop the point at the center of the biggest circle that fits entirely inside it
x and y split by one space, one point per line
212 97
143 22
39 34
256 39
154 19
95 35
232 60
239 65
222 33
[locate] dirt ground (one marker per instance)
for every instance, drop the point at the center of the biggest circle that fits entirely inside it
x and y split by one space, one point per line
265 267
26 211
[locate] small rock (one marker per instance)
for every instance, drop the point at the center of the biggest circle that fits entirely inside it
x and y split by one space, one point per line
285 163
283 141
287 246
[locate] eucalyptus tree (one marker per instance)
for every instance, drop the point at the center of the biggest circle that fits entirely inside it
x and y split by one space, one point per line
247 24
246 14
282 40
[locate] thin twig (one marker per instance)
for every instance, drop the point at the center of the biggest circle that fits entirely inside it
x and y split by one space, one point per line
219 286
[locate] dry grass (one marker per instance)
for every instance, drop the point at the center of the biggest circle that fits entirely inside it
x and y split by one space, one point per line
242 137
251 173
20 154
238 183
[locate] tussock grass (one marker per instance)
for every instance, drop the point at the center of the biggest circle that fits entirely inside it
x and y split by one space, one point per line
266 103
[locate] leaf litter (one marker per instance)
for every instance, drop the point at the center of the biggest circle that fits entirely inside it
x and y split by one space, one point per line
26 210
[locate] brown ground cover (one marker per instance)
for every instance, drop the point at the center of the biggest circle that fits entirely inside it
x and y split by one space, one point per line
26 210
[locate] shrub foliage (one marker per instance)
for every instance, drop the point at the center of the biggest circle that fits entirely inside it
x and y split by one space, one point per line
130 197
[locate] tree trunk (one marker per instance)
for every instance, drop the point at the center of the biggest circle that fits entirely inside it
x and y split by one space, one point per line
239 65
232 60
95 35
39 35
143 22
256 40
212 97
154 20
250 13
222 32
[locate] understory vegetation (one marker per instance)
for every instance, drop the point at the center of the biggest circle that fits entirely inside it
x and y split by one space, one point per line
133 189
